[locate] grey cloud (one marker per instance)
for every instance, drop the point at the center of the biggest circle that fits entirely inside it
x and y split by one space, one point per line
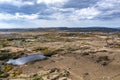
80 3
25 9
85 9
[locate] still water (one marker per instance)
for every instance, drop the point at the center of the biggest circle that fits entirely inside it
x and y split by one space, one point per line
23 60
6 32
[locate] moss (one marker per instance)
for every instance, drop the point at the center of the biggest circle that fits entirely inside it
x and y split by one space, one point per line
4 51
37 77
4 75
39 48
5 43
50 52
14 54
117 46
50 35
70 48
5 55
7 68
1 46
84 36
16 73
46 51
69 34
65 73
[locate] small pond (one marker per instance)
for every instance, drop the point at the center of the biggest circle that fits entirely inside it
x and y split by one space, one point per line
23 60
6 32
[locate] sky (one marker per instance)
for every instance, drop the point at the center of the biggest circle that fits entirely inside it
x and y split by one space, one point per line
59 13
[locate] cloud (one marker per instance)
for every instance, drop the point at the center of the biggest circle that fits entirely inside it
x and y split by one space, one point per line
4 16
23 16
51 1
17 3
79 4
29 9
110 9
85 13
17 16
108 4
20 3
46 12
86 10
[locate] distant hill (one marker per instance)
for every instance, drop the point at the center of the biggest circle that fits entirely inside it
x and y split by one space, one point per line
65 29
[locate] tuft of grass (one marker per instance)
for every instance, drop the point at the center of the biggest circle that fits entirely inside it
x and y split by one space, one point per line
4 75
50 52
39 48
46 51
117 46
8 68
5 54
4 43
84 36
16 73
69 34
37 77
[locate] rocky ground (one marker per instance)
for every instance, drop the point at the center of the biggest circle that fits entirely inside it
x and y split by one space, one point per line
70 56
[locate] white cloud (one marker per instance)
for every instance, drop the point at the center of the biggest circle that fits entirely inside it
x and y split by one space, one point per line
23 16
75 14
5 16
108 8
108 4
56 10
51 1
58 16
17 3
102 9
86 13
20 3
17 16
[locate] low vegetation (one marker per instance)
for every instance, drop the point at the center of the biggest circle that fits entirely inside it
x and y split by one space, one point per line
71 55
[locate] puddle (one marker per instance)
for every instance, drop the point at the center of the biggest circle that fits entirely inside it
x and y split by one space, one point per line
23 60
6 32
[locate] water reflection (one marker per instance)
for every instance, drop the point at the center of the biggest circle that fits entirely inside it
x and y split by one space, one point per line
23 60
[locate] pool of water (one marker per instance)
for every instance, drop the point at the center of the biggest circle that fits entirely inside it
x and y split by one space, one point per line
23 60
6 32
